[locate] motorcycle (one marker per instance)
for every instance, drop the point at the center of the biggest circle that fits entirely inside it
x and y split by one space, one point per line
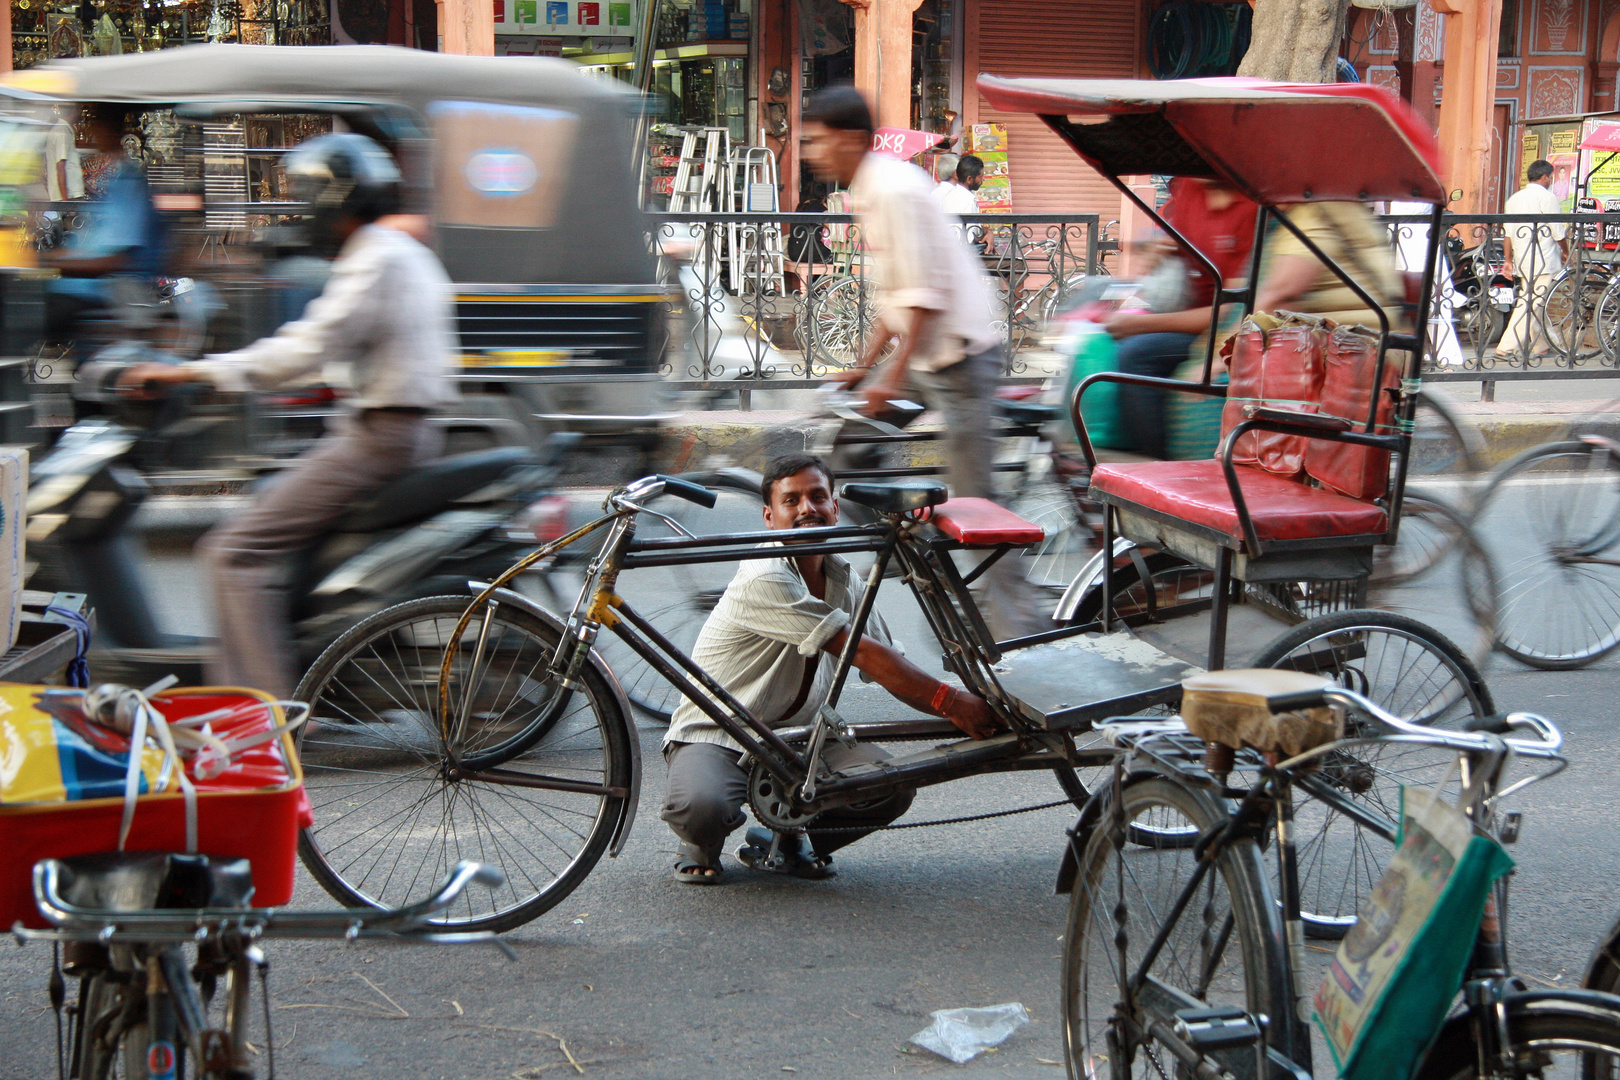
429 532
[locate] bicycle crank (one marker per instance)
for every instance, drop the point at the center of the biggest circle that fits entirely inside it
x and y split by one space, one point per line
772 806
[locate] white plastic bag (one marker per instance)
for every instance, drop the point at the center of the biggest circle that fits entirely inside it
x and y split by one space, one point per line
960 1035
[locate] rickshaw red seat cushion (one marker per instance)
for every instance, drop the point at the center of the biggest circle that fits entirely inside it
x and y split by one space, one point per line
1196 491
981 523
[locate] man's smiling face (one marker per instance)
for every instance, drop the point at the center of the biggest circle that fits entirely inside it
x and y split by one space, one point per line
802 501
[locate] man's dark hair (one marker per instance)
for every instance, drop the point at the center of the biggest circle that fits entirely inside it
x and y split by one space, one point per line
1538 169
970 166
839 106
780 468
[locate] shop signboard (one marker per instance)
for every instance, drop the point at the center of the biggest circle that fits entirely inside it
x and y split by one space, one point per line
988 142
566 18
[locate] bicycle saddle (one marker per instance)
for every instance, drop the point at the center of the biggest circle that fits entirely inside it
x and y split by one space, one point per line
1229 707
900 497
135 881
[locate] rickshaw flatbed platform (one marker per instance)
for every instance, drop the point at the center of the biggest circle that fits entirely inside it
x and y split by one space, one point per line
1071 682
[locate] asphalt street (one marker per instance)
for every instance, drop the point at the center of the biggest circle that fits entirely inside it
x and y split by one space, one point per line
635 975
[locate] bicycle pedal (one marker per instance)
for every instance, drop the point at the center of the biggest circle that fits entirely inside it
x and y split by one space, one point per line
1220 1028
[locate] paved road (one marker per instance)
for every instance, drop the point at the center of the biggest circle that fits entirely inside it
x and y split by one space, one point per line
765 976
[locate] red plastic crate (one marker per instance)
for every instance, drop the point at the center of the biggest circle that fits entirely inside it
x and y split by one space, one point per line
253 810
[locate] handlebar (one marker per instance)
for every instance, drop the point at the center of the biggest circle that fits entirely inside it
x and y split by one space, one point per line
154 925
685 489
1477 740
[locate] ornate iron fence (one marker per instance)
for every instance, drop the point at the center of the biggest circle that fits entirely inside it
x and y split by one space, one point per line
787 297
1520 296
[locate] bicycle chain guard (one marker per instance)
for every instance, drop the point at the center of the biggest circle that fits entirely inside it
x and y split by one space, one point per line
771 805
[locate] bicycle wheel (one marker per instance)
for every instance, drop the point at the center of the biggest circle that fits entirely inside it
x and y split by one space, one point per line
1225 950
1608 322
1415 673
1067 546
1438 572
677 599
1174 581
390 819
1549 1036
110 1030
1446 448
1569 312
1551 520
842 319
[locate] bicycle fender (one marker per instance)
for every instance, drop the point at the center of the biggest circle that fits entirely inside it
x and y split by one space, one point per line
523 603
1089 577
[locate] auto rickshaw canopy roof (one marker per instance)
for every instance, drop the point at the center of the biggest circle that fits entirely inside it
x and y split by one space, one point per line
1277 143
272 74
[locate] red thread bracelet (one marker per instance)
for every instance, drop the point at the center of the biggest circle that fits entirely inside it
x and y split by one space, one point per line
940 697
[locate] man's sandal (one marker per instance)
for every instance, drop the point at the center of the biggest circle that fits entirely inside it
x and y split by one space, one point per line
689 871
793 857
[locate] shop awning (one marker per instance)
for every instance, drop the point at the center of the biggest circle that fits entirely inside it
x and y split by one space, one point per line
1275 142
1603 137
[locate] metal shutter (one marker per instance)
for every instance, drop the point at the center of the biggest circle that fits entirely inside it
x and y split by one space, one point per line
1064 39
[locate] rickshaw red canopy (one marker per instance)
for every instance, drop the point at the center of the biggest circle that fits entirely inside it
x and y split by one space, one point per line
1278 143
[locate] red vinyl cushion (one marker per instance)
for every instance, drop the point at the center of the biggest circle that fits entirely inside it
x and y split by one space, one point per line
1196 491
981 523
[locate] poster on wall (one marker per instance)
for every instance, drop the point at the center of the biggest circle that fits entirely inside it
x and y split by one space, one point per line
566 18
988 142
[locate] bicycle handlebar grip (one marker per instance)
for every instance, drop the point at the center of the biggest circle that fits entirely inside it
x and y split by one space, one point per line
689 491
1304 699
1496 724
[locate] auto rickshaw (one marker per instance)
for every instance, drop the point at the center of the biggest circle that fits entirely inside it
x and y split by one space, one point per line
522 166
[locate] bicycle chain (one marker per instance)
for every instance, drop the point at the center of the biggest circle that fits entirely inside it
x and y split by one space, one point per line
948 821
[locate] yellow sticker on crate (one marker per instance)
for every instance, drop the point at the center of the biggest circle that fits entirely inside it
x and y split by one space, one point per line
50 754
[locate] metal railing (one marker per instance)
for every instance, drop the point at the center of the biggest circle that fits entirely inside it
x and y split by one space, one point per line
786 298
781 300
1552 311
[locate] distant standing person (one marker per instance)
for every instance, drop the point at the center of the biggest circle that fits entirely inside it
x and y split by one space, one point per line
957 197
934 299
1534 252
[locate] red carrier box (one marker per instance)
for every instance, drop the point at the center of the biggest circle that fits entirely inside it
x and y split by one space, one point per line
62 791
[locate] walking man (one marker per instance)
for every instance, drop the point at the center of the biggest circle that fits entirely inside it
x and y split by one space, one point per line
1534 252
934 300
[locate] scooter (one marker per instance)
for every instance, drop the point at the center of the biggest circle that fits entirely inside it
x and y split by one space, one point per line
460 518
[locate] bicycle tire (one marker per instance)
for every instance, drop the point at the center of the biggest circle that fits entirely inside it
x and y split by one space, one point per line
1541 1027
1568 317
1445 447
121 1054
1547 517
389 819
1067 544
1253 976
1413 671
1438 572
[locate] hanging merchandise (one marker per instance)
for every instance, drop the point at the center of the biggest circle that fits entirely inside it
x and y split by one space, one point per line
1189 39
105 39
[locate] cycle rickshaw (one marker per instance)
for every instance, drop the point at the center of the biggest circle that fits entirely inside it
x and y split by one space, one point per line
496 725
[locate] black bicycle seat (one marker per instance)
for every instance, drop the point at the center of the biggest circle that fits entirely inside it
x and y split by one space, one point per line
1026 412
140 880
900 497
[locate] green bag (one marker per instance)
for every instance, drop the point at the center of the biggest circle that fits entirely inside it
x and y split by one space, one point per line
1192 421
1091 350
1396 973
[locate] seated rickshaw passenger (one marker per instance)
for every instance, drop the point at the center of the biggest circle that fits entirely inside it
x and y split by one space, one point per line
1220 223
1293 279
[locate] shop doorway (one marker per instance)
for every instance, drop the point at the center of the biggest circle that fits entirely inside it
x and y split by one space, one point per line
827 56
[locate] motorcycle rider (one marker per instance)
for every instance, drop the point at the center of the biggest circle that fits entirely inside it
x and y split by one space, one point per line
388 311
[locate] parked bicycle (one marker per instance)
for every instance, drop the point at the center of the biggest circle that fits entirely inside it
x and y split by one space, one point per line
1187 960
165 949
